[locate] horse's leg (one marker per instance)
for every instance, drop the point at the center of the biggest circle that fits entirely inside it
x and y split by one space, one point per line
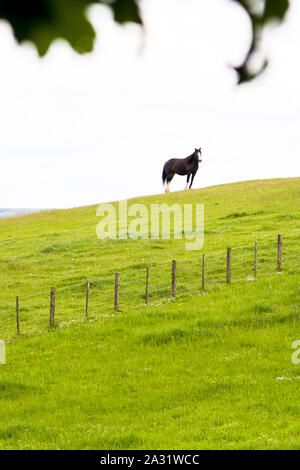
169 179
187 181
193 176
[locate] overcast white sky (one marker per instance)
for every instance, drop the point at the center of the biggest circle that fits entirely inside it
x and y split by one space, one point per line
78 130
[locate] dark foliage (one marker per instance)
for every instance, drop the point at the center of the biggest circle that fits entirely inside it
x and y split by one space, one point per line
42 21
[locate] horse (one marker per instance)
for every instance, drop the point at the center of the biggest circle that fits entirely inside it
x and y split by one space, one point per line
182 166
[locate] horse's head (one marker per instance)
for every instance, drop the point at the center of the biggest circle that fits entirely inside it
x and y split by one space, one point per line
198 154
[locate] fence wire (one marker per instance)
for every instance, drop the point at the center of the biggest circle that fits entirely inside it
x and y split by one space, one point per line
71 304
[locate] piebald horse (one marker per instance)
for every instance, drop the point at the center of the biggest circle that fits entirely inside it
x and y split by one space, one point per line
182 166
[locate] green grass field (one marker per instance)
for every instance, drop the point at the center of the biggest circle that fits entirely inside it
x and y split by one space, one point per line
209 370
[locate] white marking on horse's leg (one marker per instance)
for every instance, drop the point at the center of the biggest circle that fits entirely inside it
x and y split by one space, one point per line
186 186
167 190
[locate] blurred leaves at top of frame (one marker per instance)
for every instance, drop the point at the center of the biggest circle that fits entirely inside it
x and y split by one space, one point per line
42 21
261 13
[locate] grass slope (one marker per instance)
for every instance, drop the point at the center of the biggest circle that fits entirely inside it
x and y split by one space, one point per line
208 370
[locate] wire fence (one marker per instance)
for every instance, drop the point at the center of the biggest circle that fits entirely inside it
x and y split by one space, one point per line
145 285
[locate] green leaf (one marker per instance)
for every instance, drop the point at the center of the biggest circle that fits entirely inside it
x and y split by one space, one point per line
43 21
273 10
126 10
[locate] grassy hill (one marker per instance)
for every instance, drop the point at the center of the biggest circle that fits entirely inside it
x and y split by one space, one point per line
210 369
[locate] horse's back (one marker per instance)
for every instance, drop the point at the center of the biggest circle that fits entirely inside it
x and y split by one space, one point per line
171 161
180 166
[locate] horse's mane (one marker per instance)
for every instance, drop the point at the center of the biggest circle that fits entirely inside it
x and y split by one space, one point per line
190 157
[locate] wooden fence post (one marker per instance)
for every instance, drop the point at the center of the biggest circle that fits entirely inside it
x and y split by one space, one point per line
18 314
87 299
147 285
255 259
117 289
228 274
279 253
203 271
52 305
174 278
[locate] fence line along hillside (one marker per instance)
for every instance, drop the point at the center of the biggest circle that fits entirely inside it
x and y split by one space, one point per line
146 285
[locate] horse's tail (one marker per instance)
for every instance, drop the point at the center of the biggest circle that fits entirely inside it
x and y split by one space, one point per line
164 175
